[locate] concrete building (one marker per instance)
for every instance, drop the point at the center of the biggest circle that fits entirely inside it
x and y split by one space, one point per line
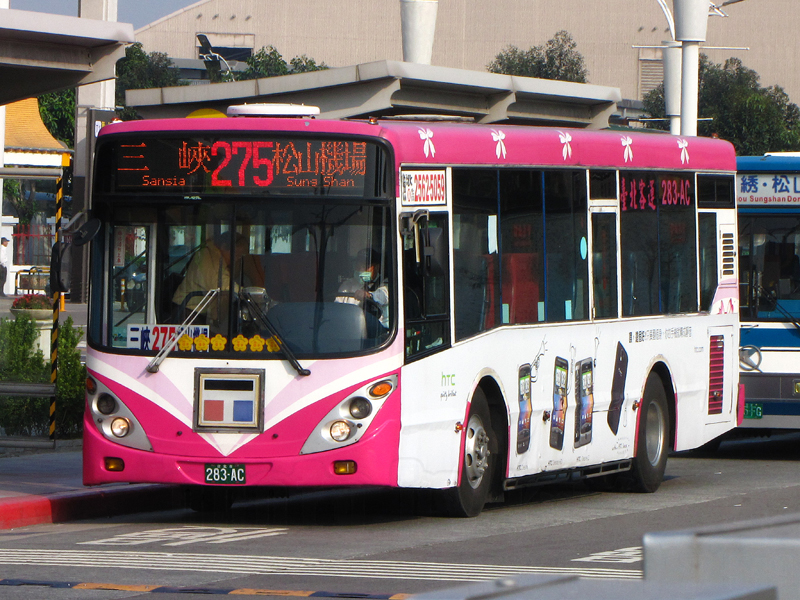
616 37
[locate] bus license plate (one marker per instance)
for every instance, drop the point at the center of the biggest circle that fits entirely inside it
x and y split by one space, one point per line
222 474
753 410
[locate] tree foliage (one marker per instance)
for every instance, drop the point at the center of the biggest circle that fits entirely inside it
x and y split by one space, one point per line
21 196
57 110
557 59
268 62
139 70
753 118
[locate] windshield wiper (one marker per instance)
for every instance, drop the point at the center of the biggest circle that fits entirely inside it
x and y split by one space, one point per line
170 344
256 310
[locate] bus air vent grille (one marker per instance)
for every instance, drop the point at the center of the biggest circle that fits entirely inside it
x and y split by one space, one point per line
715 374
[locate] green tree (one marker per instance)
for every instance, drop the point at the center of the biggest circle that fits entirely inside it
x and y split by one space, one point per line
139 70
557 59
22 201
268 62
753 118
57 110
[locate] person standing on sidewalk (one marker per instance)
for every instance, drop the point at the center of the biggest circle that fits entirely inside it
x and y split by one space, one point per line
3 265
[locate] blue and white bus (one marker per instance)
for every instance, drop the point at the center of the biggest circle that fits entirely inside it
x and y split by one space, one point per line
768 190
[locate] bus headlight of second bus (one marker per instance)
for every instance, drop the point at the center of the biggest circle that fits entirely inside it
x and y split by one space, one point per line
113 419
350 418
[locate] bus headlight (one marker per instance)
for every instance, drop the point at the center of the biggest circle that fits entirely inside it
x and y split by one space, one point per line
106 404
360 408
120 427
341 430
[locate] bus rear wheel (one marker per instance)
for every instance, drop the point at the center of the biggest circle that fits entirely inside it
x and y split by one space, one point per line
477 463
650 461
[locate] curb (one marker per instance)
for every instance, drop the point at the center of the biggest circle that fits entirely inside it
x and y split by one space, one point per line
23 511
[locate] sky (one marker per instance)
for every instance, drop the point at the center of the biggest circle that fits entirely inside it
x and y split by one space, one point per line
137 12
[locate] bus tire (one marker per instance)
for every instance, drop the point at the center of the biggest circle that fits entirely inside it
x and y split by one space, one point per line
650 462
477 463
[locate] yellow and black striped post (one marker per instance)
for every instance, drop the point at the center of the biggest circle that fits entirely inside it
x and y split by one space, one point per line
56 292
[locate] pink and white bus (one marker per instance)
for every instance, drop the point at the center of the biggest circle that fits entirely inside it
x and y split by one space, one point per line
293 301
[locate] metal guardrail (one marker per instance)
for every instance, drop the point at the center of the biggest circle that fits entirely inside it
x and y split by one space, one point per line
31 390
34 390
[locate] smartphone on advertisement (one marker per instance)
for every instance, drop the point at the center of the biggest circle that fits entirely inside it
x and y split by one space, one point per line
559 415
525 408
618 388
584 392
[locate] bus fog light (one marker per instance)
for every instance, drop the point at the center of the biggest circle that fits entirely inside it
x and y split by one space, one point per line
106 404
341 430
344 467
360 408
120 427
114 464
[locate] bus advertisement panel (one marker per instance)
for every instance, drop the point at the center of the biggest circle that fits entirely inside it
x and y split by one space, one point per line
443 306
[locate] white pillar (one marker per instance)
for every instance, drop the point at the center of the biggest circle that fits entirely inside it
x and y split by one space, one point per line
418 22
691 25
690 87
671 58
99 95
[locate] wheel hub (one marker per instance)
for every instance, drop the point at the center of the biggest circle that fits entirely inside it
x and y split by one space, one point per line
476 451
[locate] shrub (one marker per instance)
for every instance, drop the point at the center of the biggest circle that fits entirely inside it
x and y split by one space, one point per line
29 301
20 363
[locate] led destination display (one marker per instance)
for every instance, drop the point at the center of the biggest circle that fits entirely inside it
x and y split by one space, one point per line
263 165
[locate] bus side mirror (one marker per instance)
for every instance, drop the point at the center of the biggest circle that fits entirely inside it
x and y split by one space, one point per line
60 267
61 255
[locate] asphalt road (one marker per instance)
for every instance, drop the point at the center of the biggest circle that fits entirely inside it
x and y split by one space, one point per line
380 544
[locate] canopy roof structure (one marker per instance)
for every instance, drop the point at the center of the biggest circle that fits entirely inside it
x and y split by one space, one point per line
42 52
392 88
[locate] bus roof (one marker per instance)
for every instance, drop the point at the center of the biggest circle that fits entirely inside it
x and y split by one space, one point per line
432 143
768 164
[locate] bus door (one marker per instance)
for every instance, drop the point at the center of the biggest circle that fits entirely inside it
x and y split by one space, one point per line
605 271
425 283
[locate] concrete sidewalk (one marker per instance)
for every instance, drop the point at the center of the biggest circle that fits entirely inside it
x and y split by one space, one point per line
46 486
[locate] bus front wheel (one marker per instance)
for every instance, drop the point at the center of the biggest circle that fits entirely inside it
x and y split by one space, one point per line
477 462
650 461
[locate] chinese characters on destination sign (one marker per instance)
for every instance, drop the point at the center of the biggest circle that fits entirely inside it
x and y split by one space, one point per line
768 188
243 164
645 191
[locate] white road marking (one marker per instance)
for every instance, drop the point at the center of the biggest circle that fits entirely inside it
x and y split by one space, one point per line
277 565
188 534
623 555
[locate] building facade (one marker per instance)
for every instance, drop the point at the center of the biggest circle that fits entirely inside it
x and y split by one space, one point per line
618 39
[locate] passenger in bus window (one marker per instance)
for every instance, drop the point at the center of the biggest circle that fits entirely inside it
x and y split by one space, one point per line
366 288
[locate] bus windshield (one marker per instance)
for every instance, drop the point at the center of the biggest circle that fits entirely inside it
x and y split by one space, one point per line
770 254
249 276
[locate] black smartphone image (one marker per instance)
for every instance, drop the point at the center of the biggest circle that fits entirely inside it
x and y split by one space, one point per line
525 408
559 416
618 388
584 393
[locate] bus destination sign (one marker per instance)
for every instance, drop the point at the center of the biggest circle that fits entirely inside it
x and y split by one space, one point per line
242 165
